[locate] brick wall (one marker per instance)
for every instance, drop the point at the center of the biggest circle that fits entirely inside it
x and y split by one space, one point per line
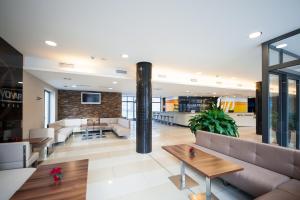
69 105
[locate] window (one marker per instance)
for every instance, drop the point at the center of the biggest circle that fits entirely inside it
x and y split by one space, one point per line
47 108
156 104
129 106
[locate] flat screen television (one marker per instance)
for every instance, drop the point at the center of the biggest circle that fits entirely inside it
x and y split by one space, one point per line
90 98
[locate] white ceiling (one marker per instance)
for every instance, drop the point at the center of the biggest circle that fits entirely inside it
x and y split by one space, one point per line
182 37
127 86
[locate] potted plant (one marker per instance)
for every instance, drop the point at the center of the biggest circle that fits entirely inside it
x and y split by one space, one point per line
214 120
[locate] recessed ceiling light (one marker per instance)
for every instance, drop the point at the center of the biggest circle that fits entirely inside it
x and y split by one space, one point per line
20 82
214 93
162 76
110 88
74 86
255 35
66 66
51 43
199 73
124 56
280 46
187 91
115 82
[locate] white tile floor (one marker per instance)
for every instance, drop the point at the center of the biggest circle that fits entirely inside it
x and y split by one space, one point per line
116 171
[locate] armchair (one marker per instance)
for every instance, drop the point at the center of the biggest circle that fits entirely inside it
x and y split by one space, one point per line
15 155
43 133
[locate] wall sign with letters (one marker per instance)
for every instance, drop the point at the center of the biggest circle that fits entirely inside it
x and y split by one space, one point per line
10 98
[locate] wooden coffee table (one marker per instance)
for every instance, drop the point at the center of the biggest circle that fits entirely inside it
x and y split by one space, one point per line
41 186
208 165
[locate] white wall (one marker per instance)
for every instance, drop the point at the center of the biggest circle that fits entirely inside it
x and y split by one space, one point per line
33 109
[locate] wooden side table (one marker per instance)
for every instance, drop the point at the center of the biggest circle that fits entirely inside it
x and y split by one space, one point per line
207 164
41 186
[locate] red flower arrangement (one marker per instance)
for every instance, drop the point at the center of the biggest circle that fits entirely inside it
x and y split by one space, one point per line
192 152
57 175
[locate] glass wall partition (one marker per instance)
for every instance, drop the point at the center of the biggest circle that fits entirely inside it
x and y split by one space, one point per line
292 105
273 108
129 106
280 90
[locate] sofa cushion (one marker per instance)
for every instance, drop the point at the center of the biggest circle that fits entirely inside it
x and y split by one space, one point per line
124 122
203 138
220 143
121 131
292 186
277 195
296 172
243 150
109 120
74 122
56 126
253 179
62 134
278 159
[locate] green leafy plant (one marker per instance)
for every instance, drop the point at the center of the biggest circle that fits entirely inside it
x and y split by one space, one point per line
214 120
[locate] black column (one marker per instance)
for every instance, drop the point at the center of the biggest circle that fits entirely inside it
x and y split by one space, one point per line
143 107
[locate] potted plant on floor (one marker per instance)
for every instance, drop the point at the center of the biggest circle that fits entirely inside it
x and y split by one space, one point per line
214 120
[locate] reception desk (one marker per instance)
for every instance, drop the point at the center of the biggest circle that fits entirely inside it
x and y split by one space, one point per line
241 119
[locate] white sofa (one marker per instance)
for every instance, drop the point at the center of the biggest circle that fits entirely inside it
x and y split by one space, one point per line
15 155
120 126
12 180
75 124
64 128
61 132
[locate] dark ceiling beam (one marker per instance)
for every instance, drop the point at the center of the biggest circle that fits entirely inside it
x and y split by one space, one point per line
284 51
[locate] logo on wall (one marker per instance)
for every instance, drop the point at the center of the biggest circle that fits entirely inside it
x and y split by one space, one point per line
10 98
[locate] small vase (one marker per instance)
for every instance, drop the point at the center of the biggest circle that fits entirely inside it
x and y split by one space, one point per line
56 183
192 154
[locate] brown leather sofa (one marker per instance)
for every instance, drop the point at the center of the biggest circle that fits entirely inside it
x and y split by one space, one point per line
270 172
